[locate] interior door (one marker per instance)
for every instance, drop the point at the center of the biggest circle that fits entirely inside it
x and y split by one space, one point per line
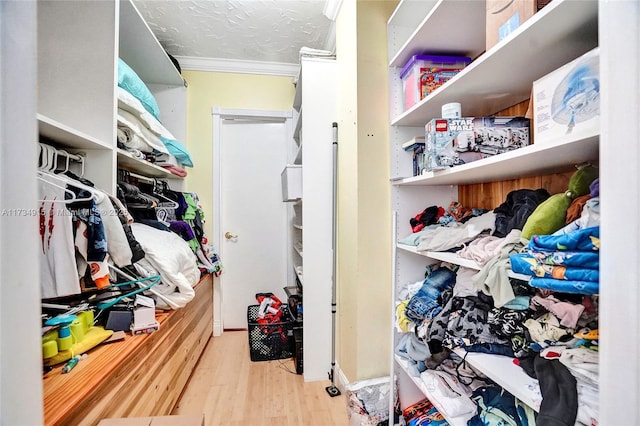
253 218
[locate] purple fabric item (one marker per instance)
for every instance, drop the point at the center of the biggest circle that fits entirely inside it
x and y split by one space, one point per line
183 206
594 188
183 229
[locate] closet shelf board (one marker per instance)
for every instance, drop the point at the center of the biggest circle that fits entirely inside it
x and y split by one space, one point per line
530 52
140 49
66 135
297 226
298 128
297 97
453 421
298 250
505 373
405 19
298 158
450 257
427 38
533 160
128 162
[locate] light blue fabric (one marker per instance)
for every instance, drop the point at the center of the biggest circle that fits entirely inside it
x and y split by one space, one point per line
132 83
523 263
178 150
519 303
587 239
414 239
566 286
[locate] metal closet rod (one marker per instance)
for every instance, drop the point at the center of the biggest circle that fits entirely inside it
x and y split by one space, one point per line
140 177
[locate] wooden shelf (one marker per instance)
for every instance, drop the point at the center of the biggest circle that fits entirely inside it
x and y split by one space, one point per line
503 76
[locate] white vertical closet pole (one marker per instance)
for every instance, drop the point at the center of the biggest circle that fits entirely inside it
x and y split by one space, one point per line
393 393
333 390
619 262
20 345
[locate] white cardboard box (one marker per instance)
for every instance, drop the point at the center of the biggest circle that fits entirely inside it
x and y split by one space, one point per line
566 102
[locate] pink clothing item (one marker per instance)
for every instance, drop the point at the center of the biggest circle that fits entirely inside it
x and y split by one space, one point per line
482 249
567 313
178 171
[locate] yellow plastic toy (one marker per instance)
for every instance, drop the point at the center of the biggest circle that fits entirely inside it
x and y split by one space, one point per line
74 335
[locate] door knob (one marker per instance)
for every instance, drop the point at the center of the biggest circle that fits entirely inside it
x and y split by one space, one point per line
228 235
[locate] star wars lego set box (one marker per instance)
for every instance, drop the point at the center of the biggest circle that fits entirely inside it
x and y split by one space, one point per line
566 102
454 141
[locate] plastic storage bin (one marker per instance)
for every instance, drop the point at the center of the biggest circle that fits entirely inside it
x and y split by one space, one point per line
425 73
273 341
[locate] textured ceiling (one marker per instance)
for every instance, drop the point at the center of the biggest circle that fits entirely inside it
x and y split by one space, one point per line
256 30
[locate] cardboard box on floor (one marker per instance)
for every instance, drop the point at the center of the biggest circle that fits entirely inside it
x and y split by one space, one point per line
505 16
182 420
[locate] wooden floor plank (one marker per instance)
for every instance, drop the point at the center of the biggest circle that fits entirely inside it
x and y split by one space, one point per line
232 390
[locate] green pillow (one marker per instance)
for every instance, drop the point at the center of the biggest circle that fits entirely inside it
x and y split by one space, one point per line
548 217
551 214
581 179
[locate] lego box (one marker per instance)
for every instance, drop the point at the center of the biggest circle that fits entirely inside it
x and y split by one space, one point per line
566 102
454 141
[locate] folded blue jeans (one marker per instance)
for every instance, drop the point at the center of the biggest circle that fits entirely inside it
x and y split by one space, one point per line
424 304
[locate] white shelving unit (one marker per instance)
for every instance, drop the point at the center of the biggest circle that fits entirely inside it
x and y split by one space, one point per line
444 256
78 47
310 216
504 372
495 80
424 390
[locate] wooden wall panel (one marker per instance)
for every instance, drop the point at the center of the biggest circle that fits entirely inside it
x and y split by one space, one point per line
491 195
557 183
533 182
517 110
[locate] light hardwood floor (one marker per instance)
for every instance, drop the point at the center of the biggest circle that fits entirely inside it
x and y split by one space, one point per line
232 390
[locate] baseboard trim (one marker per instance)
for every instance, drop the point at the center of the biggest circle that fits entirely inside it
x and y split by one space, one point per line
217 328
340 379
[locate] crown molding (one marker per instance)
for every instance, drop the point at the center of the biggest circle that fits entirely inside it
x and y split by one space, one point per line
237 66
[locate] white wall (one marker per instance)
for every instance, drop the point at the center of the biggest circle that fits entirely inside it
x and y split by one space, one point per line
20 346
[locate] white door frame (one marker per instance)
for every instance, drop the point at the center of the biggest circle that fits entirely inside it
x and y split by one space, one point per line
220 114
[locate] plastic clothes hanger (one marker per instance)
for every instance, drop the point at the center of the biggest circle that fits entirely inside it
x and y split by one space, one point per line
156 193
106 305
155 292
68 181
68 191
